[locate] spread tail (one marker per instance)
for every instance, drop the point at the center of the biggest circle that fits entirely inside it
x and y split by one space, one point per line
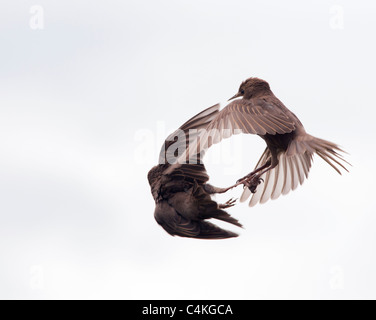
293 167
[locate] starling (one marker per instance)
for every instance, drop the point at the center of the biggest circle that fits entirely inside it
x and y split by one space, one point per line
287 158
181 192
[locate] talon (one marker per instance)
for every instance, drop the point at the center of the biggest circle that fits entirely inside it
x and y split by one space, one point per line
252 183
230 203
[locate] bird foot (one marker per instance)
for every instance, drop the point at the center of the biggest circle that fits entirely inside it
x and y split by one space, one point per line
230 203
251 182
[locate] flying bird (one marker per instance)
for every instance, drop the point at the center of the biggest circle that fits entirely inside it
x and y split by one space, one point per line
287 158
182 195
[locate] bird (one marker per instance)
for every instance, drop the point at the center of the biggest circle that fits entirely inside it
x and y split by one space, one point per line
287 159
182 195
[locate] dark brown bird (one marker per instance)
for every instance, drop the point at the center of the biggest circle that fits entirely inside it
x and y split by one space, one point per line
287 158
181 192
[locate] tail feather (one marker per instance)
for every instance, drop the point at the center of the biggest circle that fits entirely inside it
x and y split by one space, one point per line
224 216
293 167
208 230
329 152
177 225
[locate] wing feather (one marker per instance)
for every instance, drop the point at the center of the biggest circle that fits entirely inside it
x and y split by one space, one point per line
255 116
286 176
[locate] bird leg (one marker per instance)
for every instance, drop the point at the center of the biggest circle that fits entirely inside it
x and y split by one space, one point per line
253 179
253 173
250 177
212 190
230 203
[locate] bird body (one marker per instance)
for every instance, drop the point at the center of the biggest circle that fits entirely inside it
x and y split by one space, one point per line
182 195
287 158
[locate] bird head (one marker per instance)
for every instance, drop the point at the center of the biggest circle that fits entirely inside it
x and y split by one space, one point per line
251 88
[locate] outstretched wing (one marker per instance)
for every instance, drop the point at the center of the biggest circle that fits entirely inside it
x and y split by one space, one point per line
255 116
286 176
188 132
293 167
181 140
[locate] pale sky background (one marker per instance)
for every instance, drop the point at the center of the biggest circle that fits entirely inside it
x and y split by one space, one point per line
82 98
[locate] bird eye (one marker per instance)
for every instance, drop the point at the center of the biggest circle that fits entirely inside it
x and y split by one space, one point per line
242 91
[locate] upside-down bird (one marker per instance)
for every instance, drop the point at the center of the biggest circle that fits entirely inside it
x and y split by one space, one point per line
287 158
181 192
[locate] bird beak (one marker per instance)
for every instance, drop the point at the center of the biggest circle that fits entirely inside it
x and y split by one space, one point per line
235 96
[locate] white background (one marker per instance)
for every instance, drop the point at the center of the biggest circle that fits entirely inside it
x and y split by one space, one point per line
86 102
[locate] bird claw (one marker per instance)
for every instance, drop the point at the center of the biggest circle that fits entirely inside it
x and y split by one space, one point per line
230 203
251 182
